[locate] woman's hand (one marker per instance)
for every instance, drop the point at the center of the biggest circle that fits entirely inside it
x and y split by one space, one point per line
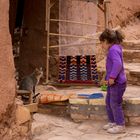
111 81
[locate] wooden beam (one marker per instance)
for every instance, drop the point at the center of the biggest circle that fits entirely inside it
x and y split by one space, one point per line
23 92
71 45
80 44
27 93
72 36
75 22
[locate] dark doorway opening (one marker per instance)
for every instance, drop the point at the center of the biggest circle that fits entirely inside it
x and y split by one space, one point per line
27 20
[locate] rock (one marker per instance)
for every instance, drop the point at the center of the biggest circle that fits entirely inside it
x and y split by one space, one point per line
62 138
18 101
32 107
40 128
135 101
79 117
98 117
23 130
52 88
39 117
85 126
22 115
134 120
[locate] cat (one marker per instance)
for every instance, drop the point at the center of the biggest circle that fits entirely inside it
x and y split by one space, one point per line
31 81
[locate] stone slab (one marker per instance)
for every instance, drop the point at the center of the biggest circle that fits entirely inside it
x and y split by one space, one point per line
78 101
97 101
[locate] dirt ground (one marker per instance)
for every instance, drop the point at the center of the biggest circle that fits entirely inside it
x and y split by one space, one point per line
47 127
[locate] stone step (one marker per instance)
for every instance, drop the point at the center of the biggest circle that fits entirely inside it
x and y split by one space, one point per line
131 55
131 45
84 109
133 73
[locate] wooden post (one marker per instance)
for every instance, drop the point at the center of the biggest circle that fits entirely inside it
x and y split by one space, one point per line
48 38
31 97
106 13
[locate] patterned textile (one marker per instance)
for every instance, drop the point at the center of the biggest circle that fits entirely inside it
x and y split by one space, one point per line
78 69
62 68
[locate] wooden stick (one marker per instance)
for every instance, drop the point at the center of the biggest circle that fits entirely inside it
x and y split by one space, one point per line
79 44
70 45
106 12
75 22
52 4
74 36
48 39
99 33
100 8
107 1
23 92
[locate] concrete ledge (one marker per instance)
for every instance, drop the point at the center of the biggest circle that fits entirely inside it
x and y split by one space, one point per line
132 100
80 109
78 101
95 109
97 101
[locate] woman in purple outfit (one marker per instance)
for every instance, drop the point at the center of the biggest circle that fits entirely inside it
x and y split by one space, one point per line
116 79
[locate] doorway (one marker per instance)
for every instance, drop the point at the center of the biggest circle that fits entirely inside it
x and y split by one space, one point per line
27 21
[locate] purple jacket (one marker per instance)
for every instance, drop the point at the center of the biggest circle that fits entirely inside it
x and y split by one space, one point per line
114 64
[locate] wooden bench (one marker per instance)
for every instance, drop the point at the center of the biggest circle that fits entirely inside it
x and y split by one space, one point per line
26 93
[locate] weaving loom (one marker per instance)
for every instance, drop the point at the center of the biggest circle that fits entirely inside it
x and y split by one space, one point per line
77 62
78 69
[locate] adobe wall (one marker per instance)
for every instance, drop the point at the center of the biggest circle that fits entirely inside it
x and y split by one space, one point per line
9 128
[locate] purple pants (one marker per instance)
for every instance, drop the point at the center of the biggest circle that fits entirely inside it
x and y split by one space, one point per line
114 103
